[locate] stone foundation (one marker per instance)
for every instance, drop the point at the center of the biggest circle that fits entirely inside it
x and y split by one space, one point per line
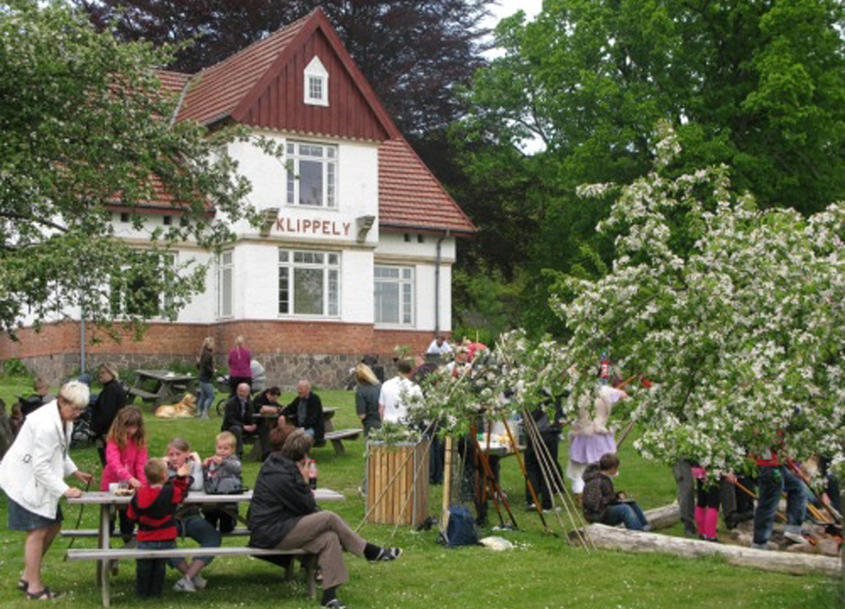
321 352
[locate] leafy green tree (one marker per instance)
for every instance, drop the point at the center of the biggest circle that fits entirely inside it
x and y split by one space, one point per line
756 85
85 126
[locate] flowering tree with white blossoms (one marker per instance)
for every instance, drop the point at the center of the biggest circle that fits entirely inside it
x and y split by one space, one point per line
735 314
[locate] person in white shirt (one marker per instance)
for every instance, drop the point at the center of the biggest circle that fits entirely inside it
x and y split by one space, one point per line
439 346
32 476
392 401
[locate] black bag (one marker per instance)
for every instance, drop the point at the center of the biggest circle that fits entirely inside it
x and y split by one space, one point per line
461 528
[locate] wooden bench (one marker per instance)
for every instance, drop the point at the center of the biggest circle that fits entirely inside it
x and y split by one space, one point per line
93 533
104 556
337 437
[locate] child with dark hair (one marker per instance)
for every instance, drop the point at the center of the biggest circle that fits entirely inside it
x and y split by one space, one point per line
153 506
602 504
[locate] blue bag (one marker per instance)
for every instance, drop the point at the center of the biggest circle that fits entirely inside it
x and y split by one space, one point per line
461 528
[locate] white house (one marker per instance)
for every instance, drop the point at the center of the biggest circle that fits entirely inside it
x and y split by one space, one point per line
359 238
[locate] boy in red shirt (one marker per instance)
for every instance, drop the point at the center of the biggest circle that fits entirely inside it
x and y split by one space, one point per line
153 506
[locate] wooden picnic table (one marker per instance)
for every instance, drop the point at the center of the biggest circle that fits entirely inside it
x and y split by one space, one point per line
162 386
109 503
271 418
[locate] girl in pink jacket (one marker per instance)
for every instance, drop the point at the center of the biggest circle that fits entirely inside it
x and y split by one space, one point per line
126 456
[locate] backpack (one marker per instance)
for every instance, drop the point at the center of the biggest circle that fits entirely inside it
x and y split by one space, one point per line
461 528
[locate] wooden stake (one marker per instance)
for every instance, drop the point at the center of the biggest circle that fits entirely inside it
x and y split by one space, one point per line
531 490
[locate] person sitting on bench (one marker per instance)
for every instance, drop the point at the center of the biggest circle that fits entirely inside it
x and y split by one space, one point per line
306 411
283 514
238 417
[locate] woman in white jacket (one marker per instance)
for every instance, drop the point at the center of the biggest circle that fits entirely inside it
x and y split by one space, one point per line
32 474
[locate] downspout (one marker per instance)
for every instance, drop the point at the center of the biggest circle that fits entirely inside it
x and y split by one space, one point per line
81 339
437 284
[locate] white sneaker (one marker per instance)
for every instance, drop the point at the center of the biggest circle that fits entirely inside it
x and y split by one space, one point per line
184 585
794 537
199 582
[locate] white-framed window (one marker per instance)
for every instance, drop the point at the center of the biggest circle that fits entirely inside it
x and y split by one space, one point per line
138 289
394 295
309 283
311 174
226 278
316 84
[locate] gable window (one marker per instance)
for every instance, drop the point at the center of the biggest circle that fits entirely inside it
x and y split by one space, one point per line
226 269
311 174
394 295
309 283
316 87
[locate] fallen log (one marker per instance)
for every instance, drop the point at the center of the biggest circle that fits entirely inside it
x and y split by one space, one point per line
664 516
612 538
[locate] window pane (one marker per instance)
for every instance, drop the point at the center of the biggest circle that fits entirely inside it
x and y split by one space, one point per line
387 302
291 189
315 87
284 289
330 185
227 257
333 259
308 291
333 293
283 255
406 303
226 291
310 183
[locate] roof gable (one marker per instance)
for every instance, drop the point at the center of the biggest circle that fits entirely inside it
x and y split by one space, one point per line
263 86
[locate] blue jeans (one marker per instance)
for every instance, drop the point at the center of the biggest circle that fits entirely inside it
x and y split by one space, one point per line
629 513
149 572
201 531
206 397
771 482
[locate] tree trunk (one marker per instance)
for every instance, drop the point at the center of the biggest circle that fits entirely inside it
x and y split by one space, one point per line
664 516
612 538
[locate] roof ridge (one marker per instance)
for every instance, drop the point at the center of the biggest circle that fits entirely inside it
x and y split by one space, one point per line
275 34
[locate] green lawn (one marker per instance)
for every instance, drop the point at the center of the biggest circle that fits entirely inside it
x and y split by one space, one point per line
542 572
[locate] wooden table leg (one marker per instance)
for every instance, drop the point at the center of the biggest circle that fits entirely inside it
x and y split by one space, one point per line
103 542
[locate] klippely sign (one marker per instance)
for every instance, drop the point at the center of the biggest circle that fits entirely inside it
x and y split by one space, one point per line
313 226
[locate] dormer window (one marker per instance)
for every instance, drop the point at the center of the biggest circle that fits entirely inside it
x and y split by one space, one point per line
316 83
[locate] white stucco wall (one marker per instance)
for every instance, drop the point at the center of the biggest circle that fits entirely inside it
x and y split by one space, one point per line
356 195
394 250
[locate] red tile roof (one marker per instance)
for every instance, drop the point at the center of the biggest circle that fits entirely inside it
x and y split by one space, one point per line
410 197
216 91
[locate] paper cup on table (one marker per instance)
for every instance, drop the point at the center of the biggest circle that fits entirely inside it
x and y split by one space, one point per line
113 486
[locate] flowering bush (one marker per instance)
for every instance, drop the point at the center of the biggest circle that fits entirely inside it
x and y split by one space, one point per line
735 313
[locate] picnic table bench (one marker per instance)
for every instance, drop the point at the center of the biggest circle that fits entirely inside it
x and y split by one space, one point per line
161 386
104 554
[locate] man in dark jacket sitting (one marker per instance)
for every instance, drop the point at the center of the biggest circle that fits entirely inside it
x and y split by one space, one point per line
306 411
238 417
283 514
602 504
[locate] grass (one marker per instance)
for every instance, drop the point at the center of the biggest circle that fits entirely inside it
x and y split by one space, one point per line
541 572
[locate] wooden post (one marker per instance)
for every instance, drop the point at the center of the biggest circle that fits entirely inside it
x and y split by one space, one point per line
447 485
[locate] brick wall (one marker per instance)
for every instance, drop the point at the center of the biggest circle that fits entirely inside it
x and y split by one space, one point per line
289 350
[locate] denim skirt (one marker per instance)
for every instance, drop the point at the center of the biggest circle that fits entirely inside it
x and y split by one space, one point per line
21 519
